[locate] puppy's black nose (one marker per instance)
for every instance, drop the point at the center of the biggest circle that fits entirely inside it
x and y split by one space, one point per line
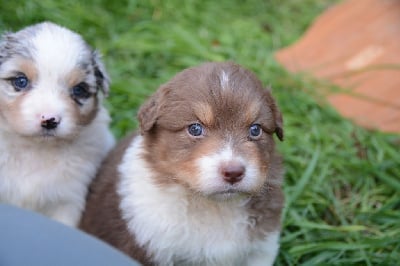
50 123
232 172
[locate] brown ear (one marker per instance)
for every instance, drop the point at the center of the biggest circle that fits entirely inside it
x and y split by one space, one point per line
276 114
149 111
147 115
279 124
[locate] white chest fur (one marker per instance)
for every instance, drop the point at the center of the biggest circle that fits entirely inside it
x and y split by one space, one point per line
178 228
28 173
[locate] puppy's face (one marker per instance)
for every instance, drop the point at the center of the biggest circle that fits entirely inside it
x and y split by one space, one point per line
49 79
211 129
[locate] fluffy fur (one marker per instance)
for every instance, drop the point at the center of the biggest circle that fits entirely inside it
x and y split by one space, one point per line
53 128
201 184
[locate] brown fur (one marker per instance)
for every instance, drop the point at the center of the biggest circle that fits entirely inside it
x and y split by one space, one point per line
195 95
86 119
102 216
28 68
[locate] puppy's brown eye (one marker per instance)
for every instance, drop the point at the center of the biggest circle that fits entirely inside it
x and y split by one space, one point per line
20 82
255 131
196 129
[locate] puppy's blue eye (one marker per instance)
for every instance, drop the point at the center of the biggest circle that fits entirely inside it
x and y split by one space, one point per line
20 82
255 131
81 91
196 129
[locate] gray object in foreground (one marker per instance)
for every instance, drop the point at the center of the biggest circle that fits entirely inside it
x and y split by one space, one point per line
28 238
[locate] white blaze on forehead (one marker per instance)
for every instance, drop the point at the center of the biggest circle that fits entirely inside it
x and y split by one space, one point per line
224 80
57 50
212 161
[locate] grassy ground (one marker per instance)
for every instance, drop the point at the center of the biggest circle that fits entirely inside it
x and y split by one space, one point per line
342 182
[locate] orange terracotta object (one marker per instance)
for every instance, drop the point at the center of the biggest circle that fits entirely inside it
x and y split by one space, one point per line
355 45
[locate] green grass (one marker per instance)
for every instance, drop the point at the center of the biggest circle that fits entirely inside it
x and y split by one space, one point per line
342 182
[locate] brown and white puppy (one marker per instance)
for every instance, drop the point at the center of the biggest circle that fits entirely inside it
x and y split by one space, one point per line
53 128
201 184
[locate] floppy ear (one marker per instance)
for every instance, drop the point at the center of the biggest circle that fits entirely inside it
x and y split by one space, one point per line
5 47
276 114
102 78
149 112
279 124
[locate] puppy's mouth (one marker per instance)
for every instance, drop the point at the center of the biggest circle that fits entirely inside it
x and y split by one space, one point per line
52 135
45 136
229 193
48 134
40 135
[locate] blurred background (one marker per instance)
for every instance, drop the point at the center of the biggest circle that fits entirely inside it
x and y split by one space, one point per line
342 182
